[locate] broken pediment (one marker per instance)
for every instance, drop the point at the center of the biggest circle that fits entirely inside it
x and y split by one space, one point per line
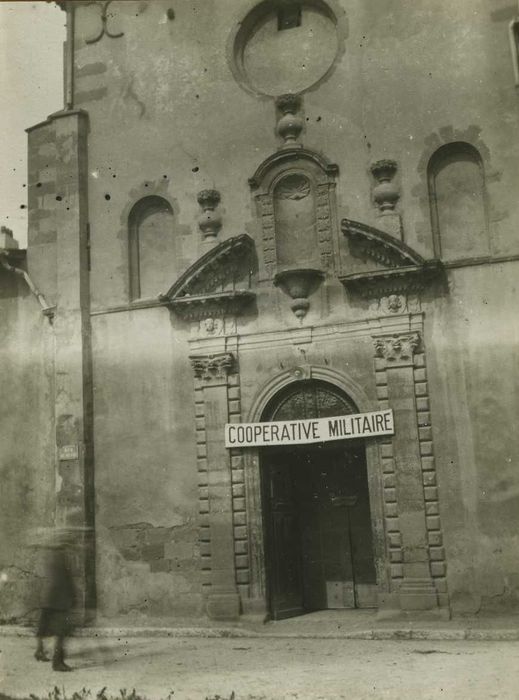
218 283
388 265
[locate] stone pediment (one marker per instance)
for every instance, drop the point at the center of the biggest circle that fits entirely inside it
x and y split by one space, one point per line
217 284
389 266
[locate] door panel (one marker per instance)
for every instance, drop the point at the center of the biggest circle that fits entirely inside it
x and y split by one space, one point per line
285 552
320 530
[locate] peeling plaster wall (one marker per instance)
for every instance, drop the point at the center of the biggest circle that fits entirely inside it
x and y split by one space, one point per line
146 480
27 444
472 345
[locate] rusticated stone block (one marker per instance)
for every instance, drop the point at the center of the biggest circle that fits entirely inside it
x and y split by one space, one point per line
441 585
435 538
419 359
242 576
420 375
438 569
392 525
424 418
429 478
431 493
388 466
395 539
433 522
238 504
238 476
389 481
381 378
382 392
397 570
437 553
238 490
421 389
240 518
390 495
395 556
233 393
386 451
240 532
425 433
242 561
391 510
241 547
234 406
428 463
432 508
426 449
422 404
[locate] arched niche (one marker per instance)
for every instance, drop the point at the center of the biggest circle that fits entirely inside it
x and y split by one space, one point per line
294 192
151 246
458 202
294 214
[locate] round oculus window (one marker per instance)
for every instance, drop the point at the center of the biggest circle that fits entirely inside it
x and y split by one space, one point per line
286 47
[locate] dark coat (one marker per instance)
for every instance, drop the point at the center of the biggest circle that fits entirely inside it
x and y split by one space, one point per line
58 588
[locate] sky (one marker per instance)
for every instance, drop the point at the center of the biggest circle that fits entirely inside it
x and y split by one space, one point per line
31 87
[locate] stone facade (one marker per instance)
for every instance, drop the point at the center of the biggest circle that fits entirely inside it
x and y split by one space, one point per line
224 208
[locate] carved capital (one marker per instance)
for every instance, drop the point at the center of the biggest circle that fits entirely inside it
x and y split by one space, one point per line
397 348
210 368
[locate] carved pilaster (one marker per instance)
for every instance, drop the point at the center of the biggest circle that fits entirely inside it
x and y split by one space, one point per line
405 498
217 517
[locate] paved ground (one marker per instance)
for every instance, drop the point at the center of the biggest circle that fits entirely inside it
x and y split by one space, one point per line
272 668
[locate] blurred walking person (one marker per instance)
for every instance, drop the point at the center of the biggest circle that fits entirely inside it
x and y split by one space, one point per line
57 599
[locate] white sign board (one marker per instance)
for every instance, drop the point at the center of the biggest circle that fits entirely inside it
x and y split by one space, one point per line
301 432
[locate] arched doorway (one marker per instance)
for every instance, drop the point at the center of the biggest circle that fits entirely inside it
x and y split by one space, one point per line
319 551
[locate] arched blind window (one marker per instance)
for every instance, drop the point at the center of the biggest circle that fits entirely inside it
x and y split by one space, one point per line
458 202
151 247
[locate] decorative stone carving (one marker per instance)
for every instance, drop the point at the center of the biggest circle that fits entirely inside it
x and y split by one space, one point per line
397 347
299 284
293 187
103 6
216 285
289 176
212 367
210 222
398 270
290 124
386 193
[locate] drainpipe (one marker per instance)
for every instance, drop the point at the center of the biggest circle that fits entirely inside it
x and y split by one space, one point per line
46 308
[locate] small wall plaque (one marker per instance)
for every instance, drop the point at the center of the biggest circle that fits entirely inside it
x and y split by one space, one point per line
66 452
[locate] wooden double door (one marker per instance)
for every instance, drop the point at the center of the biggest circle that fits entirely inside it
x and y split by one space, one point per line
319 543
